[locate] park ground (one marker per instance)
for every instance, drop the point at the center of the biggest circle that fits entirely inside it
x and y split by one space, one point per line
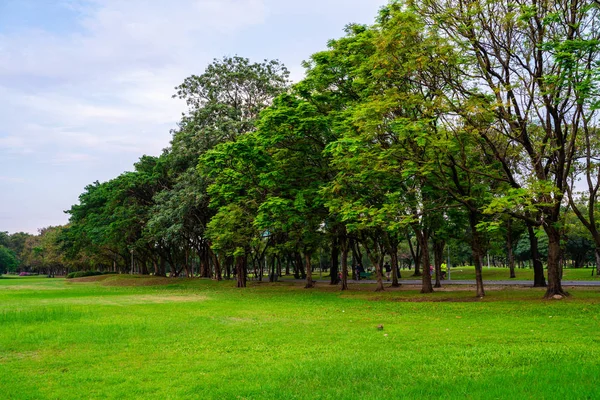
157 338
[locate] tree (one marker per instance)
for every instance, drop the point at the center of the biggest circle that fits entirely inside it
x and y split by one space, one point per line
532 64
8 260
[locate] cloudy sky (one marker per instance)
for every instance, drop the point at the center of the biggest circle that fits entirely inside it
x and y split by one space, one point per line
86 85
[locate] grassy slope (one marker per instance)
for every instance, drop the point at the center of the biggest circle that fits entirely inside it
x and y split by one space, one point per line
202 339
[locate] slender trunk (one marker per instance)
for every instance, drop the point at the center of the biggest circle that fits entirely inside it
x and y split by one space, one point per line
438 258
395 268
509 245
309 281
376 260
186 262
273 275
215 260
416 256
597 252
278 266
422 240
554 269
476 250
335 255
344 264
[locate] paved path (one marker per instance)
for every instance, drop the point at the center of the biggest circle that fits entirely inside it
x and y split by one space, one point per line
472 282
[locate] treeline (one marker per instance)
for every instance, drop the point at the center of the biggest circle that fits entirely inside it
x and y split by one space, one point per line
442 123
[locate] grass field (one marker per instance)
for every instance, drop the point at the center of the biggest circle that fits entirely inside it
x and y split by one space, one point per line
153 338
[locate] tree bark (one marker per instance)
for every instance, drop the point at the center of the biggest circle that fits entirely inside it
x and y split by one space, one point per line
422 239
538 268
217 264
438 258
476 250
395 267
309 280
597 252
335 255
509 246
241 271
344 246
416 256
554 268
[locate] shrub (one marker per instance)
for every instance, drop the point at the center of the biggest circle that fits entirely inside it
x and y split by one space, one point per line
82 274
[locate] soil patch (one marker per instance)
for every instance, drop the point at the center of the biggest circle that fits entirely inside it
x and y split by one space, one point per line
139 281
97 278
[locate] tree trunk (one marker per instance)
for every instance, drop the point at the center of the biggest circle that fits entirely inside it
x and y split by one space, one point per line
422 240
344 264
509 245
538 267
335 255
241 271
395 267
217 264
554 269
476 250
597 252
438 258
416 256
309 280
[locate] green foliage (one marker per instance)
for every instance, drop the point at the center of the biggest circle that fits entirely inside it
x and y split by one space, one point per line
8 260
82 274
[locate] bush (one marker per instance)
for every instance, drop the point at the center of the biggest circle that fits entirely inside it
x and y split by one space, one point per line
82 274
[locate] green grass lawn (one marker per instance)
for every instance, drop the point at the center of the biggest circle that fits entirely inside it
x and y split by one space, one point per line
202 339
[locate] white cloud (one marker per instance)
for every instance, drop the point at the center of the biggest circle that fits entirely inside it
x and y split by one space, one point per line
91 101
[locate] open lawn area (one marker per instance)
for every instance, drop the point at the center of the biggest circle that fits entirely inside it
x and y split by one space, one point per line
156 338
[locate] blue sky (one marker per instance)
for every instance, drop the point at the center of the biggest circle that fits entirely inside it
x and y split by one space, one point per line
86 85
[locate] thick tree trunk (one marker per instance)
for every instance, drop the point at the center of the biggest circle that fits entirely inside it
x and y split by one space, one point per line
335 255
241 271
538 268
597 252
554 268
422 238
509 246
476 250
309 280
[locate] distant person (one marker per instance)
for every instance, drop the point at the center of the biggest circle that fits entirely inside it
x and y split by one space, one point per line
444 269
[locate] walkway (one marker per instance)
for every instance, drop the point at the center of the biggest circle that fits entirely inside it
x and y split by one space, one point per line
470 282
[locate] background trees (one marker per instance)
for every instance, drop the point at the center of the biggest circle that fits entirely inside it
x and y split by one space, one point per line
464 124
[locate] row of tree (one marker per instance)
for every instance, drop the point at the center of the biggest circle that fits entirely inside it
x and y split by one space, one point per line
444 122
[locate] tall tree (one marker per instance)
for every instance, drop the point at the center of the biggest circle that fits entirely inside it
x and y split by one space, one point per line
533 63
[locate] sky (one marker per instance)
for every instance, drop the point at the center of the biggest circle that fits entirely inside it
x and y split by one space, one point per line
86 85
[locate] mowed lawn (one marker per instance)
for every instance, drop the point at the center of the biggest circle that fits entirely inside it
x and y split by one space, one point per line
153 338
